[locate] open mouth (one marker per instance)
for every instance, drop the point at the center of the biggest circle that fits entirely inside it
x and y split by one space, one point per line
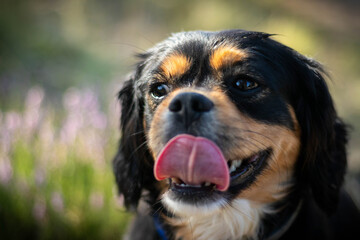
239 171
245 169
197 170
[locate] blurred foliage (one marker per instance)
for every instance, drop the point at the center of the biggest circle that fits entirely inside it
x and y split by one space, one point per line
56 180
61 63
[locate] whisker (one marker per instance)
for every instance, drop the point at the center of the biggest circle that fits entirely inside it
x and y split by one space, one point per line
134 134
138 148
130 45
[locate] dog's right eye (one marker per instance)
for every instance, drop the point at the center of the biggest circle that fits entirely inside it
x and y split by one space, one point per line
159 90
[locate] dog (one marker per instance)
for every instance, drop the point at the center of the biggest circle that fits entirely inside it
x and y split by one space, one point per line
232 135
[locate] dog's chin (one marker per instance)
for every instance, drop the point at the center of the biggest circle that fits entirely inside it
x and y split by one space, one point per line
183 208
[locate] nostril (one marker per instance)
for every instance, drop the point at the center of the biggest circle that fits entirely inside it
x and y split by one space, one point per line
200 103
175 105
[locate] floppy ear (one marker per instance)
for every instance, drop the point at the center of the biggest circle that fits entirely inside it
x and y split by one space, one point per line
132 164
324 137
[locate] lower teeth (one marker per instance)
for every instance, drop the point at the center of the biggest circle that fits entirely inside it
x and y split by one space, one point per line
206 184
188 185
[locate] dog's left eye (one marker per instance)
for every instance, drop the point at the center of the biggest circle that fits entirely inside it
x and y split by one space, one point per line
245 84
158 91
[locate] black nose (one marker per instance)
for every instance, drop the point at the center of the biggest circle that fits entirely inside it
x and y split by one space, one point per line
189 106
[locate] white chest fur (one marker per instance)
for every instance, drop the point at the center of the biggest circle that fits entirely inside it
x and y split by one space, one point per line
239 220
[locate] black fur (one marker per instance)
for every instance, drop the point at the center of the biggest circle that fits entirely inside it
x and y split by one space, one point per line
321 165
133 164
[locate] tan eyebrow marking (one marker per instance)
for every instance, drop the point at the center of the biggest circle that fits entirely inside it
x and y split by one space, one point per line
226 55
175 65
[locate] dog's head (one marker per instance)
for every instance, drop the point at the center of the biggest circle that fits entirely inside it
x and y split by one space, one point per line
211 117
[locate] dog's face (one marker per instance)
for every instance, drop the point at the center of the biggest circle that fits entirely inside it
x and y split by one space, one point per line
219 124
219 117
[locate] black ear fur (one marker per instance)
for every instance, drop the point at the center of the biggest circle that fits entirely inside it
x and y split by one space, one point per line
132 164
322 162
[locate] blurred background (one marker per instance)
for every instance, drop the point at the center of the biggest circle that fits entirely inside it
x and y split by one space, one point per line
62 63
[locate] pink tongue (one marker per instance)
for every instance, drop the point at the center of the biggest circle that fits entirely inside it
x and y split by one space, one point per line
194 160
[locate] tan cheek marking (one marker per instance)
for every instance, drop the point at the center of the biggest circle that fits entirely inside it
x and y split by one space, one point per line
157 125
156 132
155 128
150 101
273 182
237 125
175 65
226 55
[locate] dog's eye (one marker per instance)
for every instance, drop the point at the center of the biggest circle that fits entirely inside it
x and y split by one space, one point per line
158 91
245 84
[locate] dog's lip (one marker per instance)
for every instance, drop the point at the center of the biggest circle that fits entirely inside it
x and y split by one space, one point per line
247 167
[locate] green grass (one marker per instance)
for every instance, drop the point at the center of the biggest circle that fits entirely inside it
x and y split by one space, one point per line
86 205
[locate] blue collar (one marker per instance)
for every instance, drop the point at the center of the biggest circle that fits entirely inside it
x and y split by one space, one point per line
159 228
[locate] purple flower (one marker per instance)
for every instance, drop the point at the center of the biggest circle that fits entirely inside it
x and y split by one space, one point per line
6 170
39 210
57 202
13 121
34 97
40 176
32 113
